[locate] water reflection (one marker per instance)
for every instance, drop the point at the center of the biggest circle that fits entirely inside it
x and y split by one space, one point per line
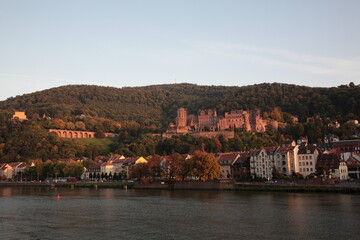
160 214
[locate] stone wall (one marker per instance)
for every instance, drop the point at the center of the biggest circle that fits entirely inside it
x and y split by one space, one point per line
72 133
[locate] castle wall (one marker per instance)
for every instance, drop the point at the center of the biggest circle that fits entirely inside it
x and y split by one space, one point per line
248 120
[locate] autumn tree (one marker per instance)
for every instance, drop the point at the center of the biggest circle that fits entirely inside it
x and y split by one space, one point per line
205 166
154 167
140 171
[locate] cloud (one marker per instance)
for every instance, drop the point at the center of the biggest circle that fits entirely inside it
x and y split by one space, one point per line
344 67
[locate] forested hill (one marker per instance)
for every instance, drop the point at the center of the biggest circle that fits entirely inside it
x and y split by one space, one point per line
158 103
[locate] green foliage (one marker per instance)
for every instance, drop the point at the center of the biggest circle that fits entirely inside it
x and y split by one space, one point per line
156 105
52 169
145 110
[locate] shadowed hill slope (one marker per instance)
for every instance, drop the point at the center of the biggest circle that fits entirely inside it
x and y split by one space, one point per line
157 104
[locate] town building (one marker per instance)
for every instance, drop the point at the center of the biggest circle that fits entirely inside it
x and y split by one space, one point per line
9 170
226 161
241 167
262 162
284 160
93 171
20 115
332 166
353 164
305 161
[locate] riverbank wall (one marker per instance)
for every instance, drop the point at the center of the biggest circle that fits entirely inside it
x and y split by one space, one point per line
197 185
124 185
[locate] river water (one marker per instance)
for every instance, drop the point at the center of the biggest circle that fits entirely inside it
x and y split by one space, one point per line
37 213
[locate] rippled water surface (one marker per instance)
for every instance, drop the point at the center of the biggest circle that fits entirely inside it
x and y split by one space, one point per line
35 213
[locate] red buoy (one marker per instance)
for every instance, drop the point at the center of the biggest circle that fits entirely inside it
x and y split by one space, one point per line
58 196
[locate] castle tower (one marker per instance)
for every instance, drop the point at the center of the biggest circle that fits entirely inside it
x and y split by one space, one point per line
181 119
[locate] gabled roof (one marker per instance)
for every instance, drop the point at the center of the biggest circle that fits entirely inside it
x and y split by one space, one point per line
308 149
94 168
18 164
255 152
107 164
227 159
243 160
5 166
270 150
283 150
331 161
130 160
352 162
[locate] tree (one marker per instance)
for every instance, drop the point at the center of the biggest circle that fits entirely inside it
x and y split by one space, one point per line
154 166
80 126
140 170
276 174
115 177
205 166
73 170
38 168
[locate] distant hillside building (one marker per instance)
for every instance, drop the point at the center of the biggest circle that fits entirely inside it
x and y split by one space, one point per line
208 120
20 115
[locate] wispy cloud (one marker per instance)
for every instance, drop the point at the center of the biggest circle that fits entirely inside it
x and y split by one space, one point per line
345 67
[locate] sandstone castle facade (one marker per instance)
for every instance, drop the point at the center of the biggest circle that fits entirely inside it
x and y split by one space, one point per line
209 121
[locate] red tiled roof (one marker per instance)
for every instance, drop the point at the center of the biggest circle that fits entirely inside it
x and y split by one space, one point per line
352 162
107 164
130 160
304 149
227 159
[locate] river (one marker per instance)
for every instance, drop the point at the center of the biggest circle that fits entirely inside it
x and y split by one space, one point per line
38 213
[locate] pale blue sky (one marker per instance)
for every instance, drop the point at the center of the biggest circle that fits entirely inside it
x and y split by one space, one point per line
48 43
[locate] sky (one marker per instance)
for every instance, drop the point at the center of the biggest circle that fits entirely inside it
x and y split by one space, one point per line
48 43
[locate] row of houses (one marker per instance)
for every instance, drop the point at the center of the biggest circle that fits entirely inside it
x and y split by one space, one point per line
339 160
115 164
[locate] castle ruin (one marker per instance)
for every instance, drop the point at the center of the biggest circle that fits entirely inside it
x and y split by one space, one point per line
209 121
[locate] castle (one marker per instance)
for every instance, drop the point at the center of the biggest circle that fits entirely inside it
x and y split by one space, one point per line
209 121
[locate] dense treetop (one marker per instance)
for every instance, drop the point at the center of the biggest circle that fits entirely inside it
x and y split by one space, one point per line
157 104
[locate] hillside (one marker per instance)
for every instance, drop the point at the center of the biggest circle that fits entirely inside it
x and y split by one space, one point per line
157 104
